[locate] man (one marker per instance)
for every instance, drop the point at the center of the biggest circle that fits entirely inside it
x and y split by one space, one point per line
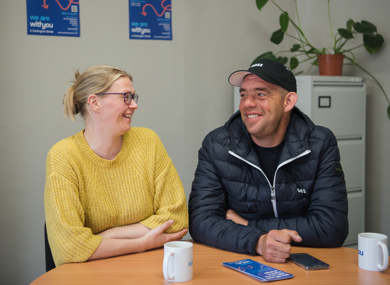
269 177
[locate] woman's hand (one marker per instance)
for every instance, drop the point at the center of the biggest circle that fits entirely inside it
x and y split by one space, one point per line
232 215
152 239
157 238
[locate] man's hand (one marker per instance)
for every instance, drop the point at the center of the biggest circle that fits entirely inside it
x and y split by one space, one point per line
232 215
275 246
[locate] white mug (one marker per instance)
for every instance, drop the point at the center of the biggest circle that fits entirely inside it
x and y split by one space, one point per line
178 264
373 252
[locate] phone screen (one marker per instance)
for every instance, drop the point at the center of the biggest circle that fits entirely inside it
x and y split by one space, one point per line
308 262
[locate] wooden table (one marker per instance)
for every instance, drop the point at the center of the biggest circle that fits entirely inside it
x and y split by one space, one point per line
146 268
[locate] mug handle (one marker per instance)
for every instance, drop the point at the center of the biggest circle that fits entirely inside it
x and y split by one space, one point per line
385 256
166 267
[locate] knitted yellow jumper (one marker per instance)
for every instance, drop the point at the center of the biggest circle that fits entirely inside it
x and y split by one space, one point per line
86 194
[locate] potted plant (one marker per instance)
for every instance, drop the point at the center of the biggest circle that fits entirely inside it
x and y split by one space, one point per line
304 50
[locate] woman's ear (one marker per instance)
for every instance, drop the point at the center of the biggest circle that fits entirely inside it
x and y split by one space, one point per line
290 99
93 102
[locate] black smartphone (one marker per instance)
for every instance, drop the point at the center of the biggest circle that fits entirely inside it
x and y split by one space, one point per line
307 261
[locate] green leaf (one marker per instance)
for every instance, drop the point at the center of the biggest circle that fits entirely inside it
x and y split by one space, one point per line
344 33
388 111
282 59
267 55
293 63
283 20
295 47
315 63
370 26
364 27
260 4
350 24
373 43
373 40
277 36
312 50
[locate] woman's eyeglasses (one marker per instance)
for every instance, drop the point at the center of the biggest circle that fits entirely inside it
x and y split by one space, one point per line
127 97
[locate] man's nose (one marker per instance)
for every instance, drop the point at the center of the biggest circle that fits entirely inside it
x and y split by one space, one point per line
248 102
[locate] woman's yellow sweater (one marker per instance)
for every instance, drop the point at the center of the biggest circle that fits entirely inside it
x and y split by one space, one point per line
86 194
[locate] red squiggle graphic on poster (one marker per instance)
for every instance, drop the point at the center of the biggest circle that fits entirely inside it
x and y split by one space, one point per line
59 4
165 8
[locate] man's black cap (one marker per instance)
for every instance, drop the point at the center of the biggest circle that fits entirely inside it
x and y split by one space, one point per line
271 71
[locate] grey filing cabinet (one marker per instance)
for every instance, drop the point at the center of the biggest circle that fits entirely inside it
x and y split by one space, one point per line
339 103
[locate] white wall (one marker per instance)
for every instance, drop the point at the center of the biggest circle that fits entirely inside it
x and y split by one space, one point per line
183 90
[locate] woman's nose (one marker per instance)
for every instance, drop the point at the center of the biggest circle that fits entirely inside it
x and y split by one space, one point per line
133 105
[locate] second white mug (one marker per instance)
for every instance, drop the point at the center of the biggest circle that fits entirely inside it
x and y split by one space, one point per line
373 251
178 264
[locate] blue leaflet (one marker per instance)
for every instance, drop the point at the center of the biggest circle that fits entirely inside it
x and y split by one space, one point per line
258 270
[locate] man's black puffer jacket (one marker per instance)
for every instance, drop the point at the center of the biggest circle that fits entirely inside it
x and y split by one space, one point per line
309 185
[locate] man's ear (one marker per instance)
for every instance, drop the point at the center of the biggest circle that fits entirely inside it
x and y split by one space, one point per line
290 99
93 102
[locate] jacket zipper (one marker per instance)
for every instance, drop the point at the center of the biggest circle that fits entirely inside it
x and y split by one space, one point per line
273 194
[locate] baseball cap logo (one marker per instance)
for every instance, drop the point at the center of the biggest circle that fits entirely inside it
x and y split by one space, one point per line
257 64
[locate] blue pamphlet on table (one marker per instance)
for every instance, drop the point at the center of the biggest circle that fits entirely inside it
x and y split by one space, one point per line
258 270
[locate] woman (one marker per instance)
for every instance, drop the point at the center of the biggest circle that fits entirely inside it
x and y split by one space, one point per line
110 189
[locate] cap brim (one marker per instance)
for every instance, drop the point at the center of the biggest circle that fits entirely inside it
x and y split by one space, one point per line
237 77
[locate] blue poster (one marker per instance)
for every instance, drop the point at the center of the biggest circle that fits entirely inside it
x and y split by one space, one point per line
150 19
53 18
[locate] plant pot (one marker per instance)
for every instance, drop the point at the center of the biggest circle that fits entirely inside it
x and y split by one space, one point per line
330 64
